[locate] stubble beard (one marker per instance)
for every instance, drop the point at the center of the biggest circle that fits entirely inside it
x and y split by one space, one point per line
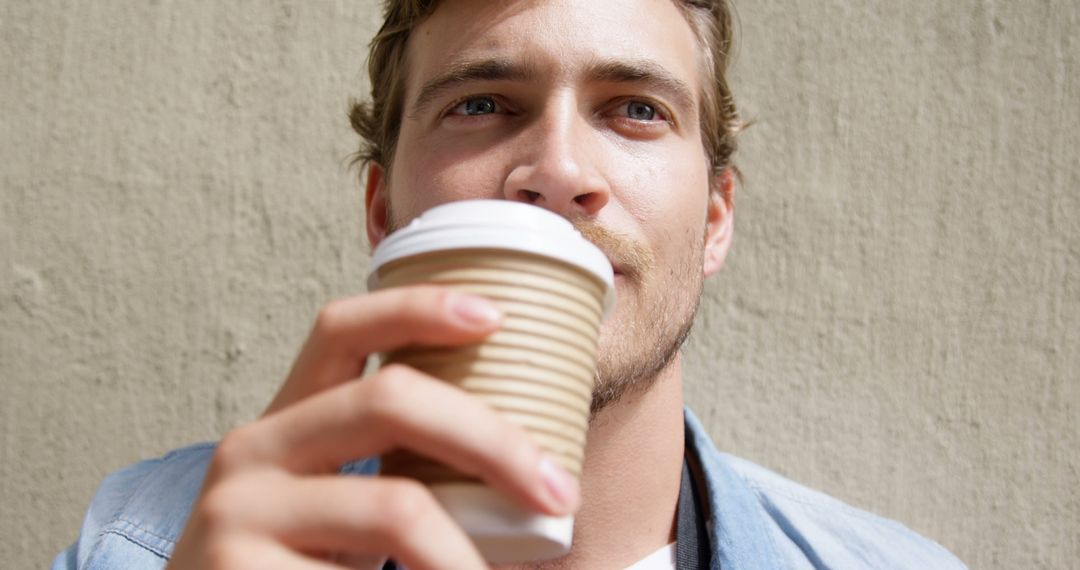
632 354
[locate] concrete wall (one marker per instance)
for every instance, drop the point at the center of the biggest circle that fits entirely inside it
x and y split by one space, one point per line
898 324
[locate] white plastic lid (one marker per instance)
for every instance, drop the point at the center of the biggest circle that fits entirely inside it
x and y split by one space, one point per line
496 224
502 530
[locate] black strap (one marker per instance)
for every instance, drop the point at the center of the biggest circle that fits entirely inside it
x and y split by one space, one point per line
692 550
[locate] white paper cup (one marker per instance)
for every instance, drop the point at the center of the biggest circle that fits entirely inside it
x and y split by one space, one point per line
554 288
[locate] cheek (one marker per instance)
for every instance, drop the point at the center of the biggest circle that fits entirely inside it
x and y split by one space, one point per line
666 195
427 175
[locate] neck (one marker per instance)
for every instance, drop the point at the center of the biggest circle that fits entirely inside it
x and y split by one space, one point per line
630 481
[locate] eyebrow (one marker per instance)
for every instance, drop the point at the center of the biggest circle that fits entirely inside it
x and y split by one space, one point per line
466 71
644 72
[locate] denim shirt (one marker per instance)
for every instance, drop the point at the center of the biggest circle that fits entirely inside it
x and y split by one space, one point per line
757 519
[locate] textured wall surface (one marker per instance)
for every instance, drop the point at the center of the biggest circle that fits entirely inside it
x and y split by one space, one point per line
898 324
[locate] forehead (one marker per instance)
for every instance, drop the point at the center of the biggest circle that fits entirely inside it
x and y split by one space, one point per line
558 38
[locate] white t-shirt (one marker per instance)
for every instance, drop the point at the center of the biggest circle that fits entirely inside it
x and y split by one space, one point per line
663 559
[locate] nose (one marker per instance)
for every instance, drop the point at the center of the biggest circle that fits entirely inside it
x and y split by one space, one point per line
558 166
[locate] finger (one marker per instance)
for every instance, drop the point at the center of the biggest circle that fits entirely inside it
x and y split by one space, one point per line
399 407
250 551
358 516
361 561
276 556
347 331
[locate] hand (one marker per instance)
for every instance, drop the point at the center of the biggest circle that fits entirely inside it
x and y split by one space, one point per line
272 498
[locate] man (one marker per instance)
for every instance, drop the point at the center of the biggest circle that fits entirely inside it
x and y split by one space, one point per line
615 114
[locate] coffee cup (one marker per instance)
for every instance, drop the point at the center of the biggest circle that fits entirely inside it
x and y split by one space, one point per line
554 288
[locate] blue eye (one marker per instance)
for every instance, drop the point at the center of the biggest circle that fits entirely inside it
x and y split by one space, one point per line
640 111
475 106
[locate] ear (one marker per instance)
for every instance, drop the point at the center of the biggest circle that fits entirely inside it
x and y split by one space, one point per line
375 204
720 221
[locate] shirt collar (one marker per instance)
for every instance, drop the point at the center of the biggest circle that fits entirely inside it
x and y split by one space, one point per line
738 533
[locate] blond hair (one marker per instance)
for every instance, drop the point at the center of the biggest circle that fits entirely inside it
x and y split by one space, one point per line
378 121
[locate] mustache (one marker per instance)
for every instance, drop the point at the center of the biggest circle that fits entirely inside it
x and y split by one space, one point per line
628 256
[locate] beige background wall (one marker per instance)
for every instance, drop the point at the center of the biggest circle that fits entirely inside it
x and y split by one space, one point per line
898 324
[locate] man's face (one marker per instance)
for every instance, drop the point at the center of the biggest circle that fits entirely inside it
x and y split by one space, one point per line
589 109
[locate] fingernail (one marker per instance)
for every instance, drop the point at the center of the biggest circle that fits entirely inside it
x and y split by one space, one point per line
562 487
476 311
